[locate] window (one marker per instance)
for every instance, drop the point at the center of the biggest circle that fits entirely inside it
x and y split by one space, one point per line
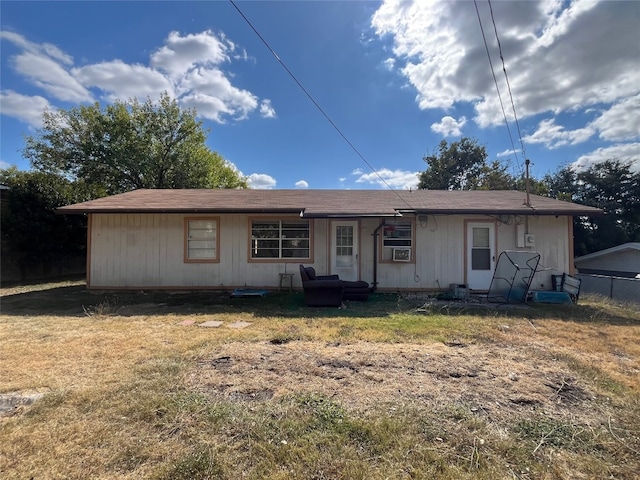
280 239
397 241
201 239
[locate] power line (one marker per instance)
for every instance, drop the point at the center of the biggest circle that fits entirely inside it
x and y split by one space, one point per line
317 105
495 81
504 69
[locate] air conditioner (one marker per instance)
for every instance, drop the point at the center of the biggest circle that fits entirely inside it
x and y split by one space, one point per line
529 240
401 254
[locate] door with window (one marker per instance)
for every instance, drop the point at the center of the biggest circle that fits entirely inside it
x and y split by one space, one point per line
481 255
344 249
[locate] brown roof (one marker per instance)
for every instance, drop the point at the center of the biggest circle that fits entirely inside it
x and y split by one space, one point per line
329 203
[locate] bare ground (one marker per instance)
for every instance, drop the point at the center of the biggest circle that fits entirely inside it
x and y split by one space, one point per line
495 381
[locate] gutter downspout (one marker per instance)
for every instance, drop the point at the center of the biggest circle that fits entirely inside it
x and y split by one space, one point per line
375 256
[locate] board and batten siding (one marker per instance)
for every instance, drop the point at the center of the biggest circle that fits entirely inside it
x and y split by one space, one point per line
139 251
440 256
147 251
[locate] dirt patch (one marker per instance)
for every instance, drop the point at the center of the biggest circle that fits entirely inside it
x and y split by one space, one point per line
494 380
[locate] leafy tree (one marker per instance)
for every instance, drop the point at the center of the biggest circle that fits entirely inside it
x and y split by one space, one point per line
463 166
456 166
130 145
610 185
32 233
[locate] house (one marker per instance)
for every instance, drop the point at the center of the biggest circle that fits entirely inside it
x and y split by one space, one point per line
620 261
420 240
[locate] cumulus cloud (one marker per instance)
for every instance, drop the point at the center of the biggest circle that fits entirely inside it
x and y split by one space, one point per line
625 152
621 121
266 110
119 80
553 136
396 179
449 126
180 53
23 107
52 77
37 48
559 56
302 184
261 181
188 67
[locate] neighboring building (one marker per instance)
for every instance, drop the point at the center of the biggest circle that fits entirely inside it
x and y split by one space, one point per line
420 240
620 261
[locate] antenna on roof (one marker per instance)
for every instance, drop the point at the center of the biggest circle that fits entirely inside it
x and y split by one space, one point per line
527 187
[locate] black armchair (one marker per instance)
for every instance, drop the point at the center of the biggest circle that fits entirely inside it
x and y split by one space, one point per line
322 290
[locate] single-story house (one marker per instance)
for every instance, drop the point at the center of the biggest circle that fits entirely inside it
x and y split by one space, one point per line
619 261
423 240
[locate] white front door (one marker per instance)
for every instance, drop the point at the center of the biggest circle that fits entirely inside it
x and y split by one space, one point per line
344 249
481 255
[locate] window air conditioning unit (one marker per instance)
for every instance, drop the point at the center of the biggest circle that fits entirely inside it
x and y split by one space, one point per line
401 254
529 240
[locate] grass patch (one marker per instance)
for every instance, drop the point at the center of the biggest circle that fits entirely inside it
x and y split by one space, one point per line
376 390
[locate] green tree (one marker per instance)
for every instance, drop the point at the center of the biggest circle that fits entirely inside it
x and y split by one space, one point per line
456 166
130 145
32 233
463 166
610 185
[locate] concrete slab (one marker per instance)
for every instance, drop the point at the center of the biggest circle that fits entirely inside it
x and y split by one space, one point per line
211 324
186 323
239 324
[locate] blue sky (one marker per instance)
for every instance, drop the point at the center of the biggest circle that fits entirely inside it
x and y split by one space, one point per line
396 77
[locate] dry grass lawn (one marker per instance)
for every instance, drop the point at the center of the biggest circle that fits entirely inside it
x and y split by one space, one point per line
129 386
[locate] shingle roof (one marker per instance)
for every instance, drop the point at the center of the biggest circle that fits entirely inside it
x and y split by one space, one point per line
329 203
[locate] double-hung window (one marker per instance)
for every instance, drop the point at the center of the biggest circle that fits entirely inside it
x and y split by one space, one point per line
397 241
280 239
201 242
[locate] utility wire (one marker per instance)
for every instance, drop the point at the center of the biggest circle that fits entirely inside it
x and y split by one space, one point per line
506 77
495 81
317 105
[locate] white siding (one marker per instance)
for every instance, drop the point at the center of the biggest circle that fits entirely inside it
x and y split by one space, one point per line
623 261
147 250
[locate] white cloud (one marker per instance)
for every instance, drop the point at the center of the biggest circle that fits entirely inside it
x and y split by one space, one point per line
624 152
507 153
44 48
51 76
621 121
449 126
23 107
389 64
211 93
121 81
187 67
4 164
560 56
302 184
266 110
261 181
181 53
396 179
554 136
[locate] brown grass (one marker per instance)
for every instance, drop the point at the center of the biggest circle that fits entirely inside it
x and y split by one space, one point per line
375 391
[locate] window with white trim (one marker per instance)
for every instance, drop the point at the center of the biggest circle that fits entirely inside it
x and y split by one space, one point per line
398 236
201 239
280 239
